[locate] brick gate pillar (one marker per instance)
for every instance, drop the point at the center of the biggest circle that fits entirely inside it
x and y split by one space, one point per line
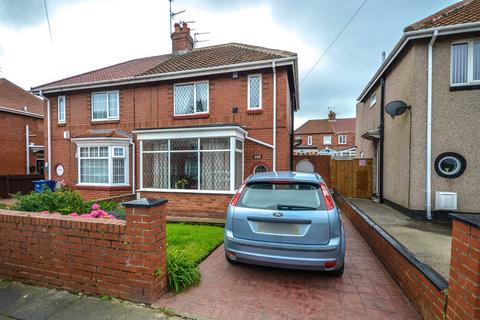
464 283
146 237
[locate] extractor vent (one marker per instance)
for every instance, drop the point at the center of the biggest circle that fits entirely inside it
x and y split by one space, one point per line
445 200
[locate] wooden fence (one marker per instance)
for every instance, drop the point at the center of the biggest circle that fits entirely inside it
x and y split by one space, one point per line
352 178
13 184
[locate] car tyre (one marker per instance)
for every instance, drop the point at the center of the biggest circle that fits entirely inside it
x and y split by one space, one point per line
338 272
231 261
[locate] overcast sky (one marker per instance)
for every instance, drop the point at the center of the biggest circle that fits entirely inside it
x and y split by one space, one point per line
89 34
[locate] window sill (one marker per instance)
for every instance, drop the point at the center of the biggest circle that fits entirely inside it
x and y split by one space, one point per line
255 111
61 124
465 87
191 116
105 121
186 191
101 187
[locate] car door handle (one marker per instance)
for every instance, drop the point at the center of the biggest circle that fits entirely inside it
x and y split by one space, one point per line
279 220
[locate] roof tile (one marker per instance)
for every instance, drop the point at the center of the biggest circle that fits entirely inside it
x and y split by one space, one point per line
14 97
324 126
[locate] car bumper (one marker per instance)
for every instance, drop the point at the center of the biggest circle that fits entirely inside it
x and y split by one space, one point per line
326 257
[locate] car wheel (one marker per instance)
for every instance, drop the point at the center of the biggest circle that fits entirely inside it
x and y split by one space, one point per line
231 261
338 272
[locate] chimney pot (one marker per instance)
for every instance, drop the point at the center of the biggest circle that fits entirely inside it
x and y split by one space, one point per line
332 116
182 41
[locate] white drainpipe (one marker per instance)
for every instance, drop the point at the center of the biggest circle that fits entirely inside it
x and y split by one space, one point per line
49 135
274 162
428 181
27 148
133 166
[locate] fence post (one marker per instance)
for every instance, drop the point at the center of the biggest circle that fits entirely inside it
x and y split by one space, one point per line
146 237
464 283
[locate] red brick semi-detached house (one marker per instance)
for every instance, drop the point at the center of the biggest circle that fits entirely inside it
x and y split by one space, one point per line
21 130
332 136
187 126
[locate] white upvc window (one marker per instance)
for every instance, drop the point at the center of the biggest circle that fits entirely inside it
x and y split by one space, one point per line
254 91
102 164
309 140
465 63
373 99
342 139
327 140
191 98
61 109
105 105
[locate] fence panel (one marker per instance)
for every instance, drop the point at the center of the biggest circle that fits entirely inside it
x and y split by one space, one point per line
13 184
353 178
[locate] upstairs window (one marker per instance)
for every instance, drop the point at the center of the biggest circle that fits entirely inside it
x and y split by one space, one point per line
105 105
255 91
465 63
327 140
342 139
191 98
373 100
61 109
309 140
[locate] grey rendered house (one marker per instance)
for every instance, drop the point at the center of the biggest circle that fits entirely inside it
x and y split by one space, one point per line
428 162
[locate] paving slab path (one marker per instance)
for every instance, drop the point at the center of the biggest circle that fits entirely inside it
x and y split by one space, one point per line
366 290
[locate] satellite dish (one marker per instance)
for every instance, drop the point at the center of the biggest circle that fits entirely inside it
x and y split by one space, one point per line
396 108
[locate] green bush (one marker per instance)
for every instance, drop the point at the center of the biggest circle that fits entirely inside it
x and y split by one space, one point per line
63 201
182 273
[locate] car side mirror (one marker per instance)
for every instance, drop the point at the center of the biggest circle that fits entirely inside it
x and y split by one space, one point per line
332 191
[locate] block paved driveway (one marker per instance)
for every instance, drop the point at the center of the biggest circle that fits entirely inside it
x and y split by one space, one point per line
366 290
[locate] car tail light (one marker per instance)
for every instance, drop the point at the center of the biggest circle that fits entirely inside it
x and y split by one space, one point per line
237 195
330 264
327 197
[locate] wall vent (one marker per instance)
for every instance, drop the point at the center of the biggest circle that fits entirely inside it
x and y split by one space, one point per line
445 200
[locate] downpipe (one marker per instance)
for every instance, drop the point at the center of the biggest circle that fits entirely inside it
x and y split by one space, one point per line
49 136
274 161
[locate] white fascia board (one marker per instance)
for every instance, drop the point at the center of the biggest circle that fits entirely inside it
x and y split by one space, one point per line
418 34
21 112
199 132
171 75
101 141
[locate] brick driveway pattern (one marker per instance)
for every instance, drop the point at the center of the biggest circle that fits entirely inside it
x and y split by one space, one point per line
366 290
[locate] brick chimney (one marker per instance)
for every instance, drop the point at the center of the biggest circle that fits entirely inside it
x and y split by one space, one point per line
182 41
332 116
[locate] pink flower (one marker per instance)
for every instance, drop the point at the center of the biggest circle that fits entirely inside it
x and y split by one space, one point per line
85 215
73 214
45 212
111 216
95 206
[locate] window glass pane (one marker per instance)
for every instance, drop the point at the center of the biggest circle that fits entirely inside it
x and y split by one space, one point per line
155 170
113 104
476 60
93 152
83 152
215 170
99 106
239 144
118 152
118 170
184 96
184 144
155 145
238 169
61 108
94 170
460 63
215 144
202 97
103 152
254 85
184 170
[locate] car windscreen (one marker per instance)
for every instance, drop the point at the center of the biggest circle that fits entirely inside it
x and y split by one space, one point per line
281 196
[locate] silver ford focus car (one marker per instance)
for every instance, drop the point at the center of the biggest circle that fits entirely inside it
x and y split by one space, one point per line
285 219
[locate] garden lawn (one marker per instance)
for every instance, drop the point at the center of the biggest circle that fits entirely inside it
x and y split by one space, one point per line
194 242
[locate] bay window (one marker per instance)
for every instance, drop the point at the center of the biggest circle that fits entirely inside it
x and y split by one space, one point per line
102 164
212 164
465 63
191 98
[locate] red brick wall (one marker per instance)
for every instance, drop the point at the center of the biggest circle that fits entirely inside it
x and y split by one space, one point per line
151 106
321 165
13 159
94 256
427 299
464 284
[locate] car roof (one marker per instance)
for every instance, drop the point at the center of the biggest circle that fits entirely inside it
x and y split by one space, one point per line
289 176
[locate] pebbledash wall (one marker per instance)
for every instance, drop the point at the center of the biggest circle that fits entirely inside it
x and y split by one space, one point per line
124 259
431 295
151 106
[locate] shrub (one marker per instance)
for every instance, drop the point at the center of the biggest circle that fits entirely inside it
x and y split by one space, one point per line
182 273
63 201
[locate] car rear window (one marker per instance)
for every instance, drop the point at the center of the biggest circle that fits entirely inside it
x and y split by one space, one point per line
276 196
